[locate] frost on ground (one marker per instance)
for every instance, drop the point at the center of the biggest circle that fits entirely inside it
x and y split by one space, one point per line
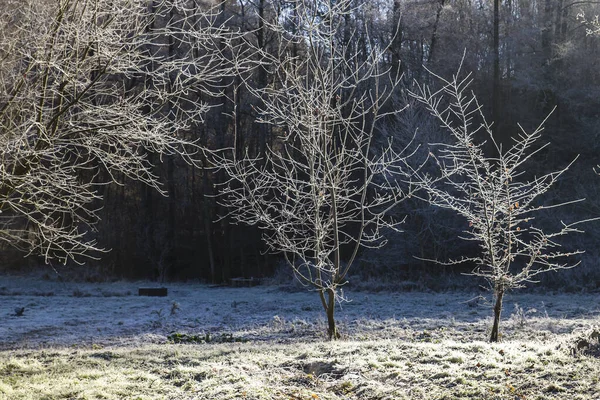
91 341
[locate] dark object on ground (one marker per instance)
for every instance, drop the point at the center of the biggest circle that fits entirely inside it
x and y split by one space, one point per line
154 292
244 282
237 303
19 311
587 344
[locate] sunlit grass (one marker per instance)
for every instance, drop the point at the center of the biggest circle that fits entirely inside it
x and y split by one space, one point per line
372 369
262 343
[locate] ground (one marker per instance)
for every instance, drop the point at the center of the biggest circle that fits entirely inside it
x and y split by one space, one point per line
73 340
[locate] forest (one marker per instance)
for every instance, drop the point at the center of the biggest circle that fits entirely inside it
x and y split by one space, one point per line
126 126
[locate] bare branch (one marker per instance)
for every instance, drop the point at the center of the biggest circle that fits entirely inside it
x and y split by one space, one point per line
87 89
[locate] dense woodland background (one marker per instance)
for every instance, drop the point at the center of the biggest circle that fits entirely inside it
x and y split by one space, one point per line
528 57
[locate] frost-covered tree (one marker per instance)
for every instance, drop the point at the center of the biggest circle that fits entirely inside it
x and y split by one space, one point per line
494 193
88 88
323 188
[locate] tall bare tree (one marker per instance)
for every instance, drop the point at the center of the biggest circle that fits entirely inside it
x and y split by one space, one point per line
323 187
89 86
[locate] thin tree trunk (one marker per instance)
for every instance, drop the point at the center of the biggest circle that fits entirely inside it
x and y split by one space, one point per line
558 64
497 312
397 43
496 79
565 23
435 29
148 228
509 45
547 31
207 219
169 244
261 145
329 306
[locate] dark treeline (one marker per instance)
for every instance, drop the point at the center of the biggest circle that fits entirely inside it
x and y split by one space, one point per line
528 57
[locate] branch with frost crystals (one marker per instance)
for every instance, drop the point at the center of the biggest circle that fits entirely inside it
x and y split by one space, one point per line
93 86
491 192
322 184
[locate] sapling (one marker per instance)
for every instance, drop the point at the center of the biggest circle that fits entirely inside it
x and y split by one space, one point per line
322 185
492 192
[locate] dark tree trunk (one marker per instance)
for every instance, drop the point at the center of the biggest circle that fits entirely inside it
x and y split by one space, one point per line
397 43
558 39
208 208
496 79
261 145
168 257
148 228
208 228
547 31
497 312
329 306
434 35
509 45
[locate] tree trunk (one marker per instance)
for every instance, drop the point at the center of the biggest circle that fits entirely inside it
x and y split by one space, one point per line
261 145
329 306
547 32
497 312
435 29
148 228
496 79
167 260
208 229
397 43
509 45
170 241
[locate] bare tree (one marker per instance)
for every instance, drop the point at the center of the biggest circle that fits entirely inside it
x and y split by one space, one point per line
494 194
88 88
322 188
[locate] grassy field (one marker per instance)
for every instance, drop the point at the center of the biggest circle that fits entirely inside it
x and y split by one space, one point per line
269 344
427 367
